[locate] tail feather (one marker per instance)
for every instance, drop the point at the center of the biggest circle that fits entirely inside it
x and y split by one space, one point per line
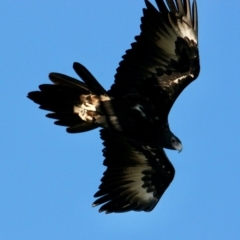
73 103
64 119
83 127
64 80
89 79
60 99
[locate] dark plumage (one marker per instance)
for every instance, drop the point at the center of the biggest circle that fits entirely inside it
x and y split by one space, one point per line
134 112
136 175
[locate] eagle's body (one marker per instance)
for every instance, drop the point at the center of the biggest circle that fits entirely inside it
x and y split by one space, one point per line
133 114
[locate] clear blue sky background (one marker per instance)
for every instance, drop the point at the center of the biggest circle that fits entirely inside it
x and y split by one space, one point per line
48 177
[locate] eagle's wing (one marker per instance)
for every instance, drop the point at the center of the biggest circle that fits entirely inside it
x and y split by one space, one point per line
136 175
164 59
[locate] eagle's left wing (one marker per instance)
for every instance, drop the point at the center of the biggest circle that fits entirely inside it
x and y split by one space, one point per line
136 175
164 59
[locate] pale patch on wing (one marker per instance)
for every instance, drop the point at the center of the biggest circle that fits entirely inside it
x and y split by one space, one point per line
87 108
183 30
91 109
135 174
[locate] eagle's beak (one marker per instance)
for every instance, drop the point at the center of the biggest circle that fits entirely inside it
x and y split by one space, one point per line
178 146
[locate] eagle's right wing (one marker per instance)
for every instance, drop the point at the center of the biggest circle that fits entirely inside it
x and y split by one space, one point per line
136 176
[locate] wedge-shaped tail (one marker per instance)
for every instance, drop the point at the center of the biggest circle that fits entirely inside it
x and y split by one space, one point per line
74 104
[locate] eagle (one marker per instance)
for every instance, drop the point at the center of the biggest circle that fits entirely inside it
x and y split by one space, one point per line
133 114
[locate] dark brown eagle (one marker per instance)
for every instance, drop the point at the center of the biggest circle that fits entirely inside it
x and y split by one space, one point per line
133 114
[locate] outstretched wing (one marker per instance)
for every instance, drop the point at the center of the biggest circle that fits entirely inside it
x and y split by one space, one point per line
135 178
164 59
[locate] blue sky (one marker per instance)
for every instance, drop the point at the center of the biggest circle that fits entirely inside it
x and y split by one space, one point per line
48 177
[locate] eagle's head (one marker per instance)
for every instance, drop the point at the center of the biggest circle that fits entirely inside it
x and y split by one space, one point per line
175 143
170 141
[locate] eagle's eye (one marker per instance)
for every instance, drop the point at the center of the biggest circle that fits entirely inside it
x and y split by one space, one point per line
173 140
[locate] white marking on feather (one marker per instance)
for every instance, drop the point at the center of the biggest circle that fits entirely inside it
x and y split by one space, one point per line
191 75
82 113
88 106
138 108
179 79
89 103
